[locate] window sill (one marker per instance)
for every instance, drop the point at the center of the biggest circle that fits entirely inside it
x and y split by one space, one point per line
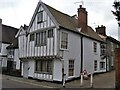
62 49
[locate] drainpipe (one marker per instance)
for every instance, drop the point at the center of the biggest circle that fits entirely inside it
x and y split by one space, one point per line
81 54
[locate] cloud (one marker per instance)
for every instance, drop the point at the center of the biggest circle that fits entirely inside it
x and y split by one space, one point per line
9 3
19 12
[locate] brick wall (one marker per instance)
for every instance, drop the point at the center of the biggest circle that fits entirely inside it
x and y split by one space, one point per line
117 70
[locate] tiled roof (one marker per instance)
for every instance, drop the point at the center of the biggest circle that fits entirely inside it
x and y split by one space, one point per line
69 22
62 19
8 35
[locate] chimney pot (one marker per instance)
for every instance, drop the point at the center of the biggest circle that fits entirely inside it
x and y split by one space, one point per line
80 6
101 30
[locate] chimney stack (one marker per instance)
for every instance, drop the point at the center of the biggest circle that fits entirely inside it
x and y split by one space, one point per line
101 30
82 18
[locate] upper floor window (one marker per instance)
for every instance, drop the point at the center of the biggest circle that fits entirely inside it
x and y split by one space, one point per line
31 37
50 33
64 40
95 65
40 17
41 39
95 46
103 49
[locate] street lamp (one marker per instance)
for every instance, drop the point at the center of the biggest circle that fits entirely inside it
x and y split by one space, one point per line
116 13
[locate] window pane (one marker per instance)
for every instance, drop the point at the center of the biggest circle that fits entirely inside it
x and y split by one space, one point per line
44 66
50 33
95 65
95 46
40 17
64 40
71 67
31 37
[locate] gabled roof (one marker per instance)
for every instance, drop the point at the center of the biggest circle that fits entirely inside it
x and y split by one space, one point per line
8 35
65 21
23 29
93 34
69 22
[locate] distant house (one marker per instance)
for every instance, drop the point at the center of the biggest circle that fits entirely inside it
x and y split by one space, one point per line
8 48
56 44
111 45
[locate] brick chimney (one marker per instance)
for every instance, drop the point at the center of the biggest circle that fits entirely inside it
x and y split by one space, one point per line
101 30
82 18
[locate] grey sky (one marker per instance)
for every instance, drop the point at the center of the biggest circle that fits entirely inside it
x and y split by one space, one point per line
18 12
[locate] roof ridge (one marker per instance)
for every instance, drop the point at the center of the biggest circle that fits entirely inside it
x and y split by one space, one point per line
10 26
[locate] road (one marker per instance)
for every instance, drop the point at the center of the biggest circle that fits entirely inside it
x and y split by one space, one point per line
8 83
106 80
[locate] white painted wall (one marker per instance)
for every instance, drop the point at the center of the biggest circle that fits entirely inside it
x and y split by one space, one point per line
73 52
31 66
57 70
16 59
4 53
88 55
47 21
3 49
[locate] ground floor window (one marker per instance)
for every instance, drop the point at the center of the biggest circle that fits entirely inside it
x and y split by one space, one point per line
95 65
71 67
102 65
44 66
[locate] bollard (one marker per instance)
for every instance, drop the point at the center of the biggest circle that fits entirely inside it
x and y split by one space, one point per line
91 80
81 79
64 80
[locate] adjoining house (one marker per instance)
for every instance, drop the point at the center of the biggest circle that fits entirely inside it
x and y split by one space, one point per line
57 45
111 45
9 59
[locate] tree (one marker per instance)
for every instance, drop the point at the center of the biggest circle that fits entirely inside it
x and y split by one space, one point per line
116 5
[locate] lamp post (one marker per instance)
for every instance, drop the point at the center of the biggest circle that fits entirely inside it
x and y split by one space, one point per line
116 13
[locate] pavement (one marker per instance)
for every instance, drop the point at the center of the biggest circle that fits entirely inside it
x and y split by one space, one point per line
105 80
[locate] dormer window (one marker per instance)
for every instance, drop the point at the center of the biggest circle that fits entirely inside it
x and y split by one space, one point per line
40 17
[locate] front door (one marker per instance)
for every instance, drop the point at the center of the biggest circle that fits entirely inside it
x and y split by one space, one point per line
25 69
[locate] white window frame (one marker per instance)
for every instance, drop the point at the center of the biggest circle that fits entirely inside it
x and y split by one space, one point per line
71 67
102 68
61 36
